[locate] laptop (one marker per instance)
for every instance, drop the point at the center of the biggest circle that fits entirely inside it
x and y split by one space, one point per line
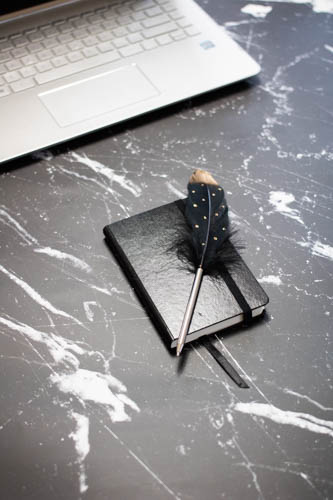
71 67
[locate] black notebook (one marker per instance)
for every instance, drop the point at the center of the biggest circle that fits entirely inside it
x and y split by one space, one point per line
142 245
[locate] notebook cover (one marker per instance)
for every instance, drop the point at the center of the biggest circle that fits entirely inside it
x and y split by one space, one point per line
142 245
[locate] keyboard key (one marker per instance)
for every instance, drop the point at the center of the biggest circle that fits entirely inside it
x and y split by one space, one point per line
123 10
160 30
75 56
178 35
155 21
65 27
35 47
90 40
80 33
5 46
76 45
169 6
3 69
35 37
109 25
60 50
5 90
2 81
192 30
44 66
94 19
124 20
80 23
95 29
154 11
164 39
12 76
48 32
76 67
135 37
121 31
49 43
130 50
20 41
105 46
109 14
149 44
143 4
65 38
134 27
90 51
5 57
30 59
105 36
28 71
19 52
59 61
120 42
13 64
44 55
176 15
184 23
24 84
138 16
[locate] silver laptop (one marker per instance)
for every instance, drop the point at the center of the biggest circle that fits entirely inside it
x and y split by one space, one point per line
70 67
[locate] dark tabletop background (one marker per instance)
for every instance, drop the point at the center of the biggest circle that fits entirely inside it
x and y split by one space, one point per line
93 405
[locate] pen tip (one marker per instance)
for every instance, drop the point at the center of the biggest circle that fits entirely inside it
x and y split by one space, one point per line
179 350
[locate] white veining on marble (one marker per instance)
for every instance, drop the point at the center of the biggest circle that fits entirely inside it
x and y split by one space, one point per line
148 469
281 201
319 6
8 220
60 349
14 224
98 388
250 467
322 250
271 279
182 450
80 437
107 172
79 263
318 248
256 10
297 419
44 303
307 398
88 309
100 289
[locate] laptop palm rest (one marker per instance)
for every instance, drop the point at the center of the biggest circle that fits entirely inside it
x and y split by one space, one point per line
98 94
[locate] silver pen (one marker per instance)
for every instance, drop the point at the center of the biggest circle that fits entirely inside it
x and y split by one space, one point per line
189 310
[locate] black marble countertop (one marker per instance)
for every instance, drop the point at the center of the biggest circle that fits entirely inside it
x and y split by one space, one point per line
93 405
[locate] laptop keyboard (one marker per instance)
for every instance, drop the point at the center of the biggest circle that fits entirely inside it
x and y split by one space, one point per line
107 34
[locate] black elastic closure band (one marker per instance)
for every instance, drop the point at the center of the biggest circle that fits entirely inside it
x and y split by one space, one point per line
241 300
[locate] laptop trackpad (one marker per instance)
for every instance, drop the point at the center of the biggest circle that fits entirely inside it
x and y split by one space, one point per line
98 94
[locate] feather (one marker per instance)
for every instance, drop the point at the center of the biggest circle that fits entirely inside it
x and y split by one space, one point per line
206 243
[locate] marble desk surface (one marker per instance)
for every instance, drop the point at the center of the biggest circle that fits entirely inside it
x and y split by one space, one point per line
93 406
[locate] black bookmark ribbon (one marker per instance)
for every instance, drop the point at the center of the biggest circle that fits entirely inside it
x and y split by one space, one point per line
224 363
247 312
